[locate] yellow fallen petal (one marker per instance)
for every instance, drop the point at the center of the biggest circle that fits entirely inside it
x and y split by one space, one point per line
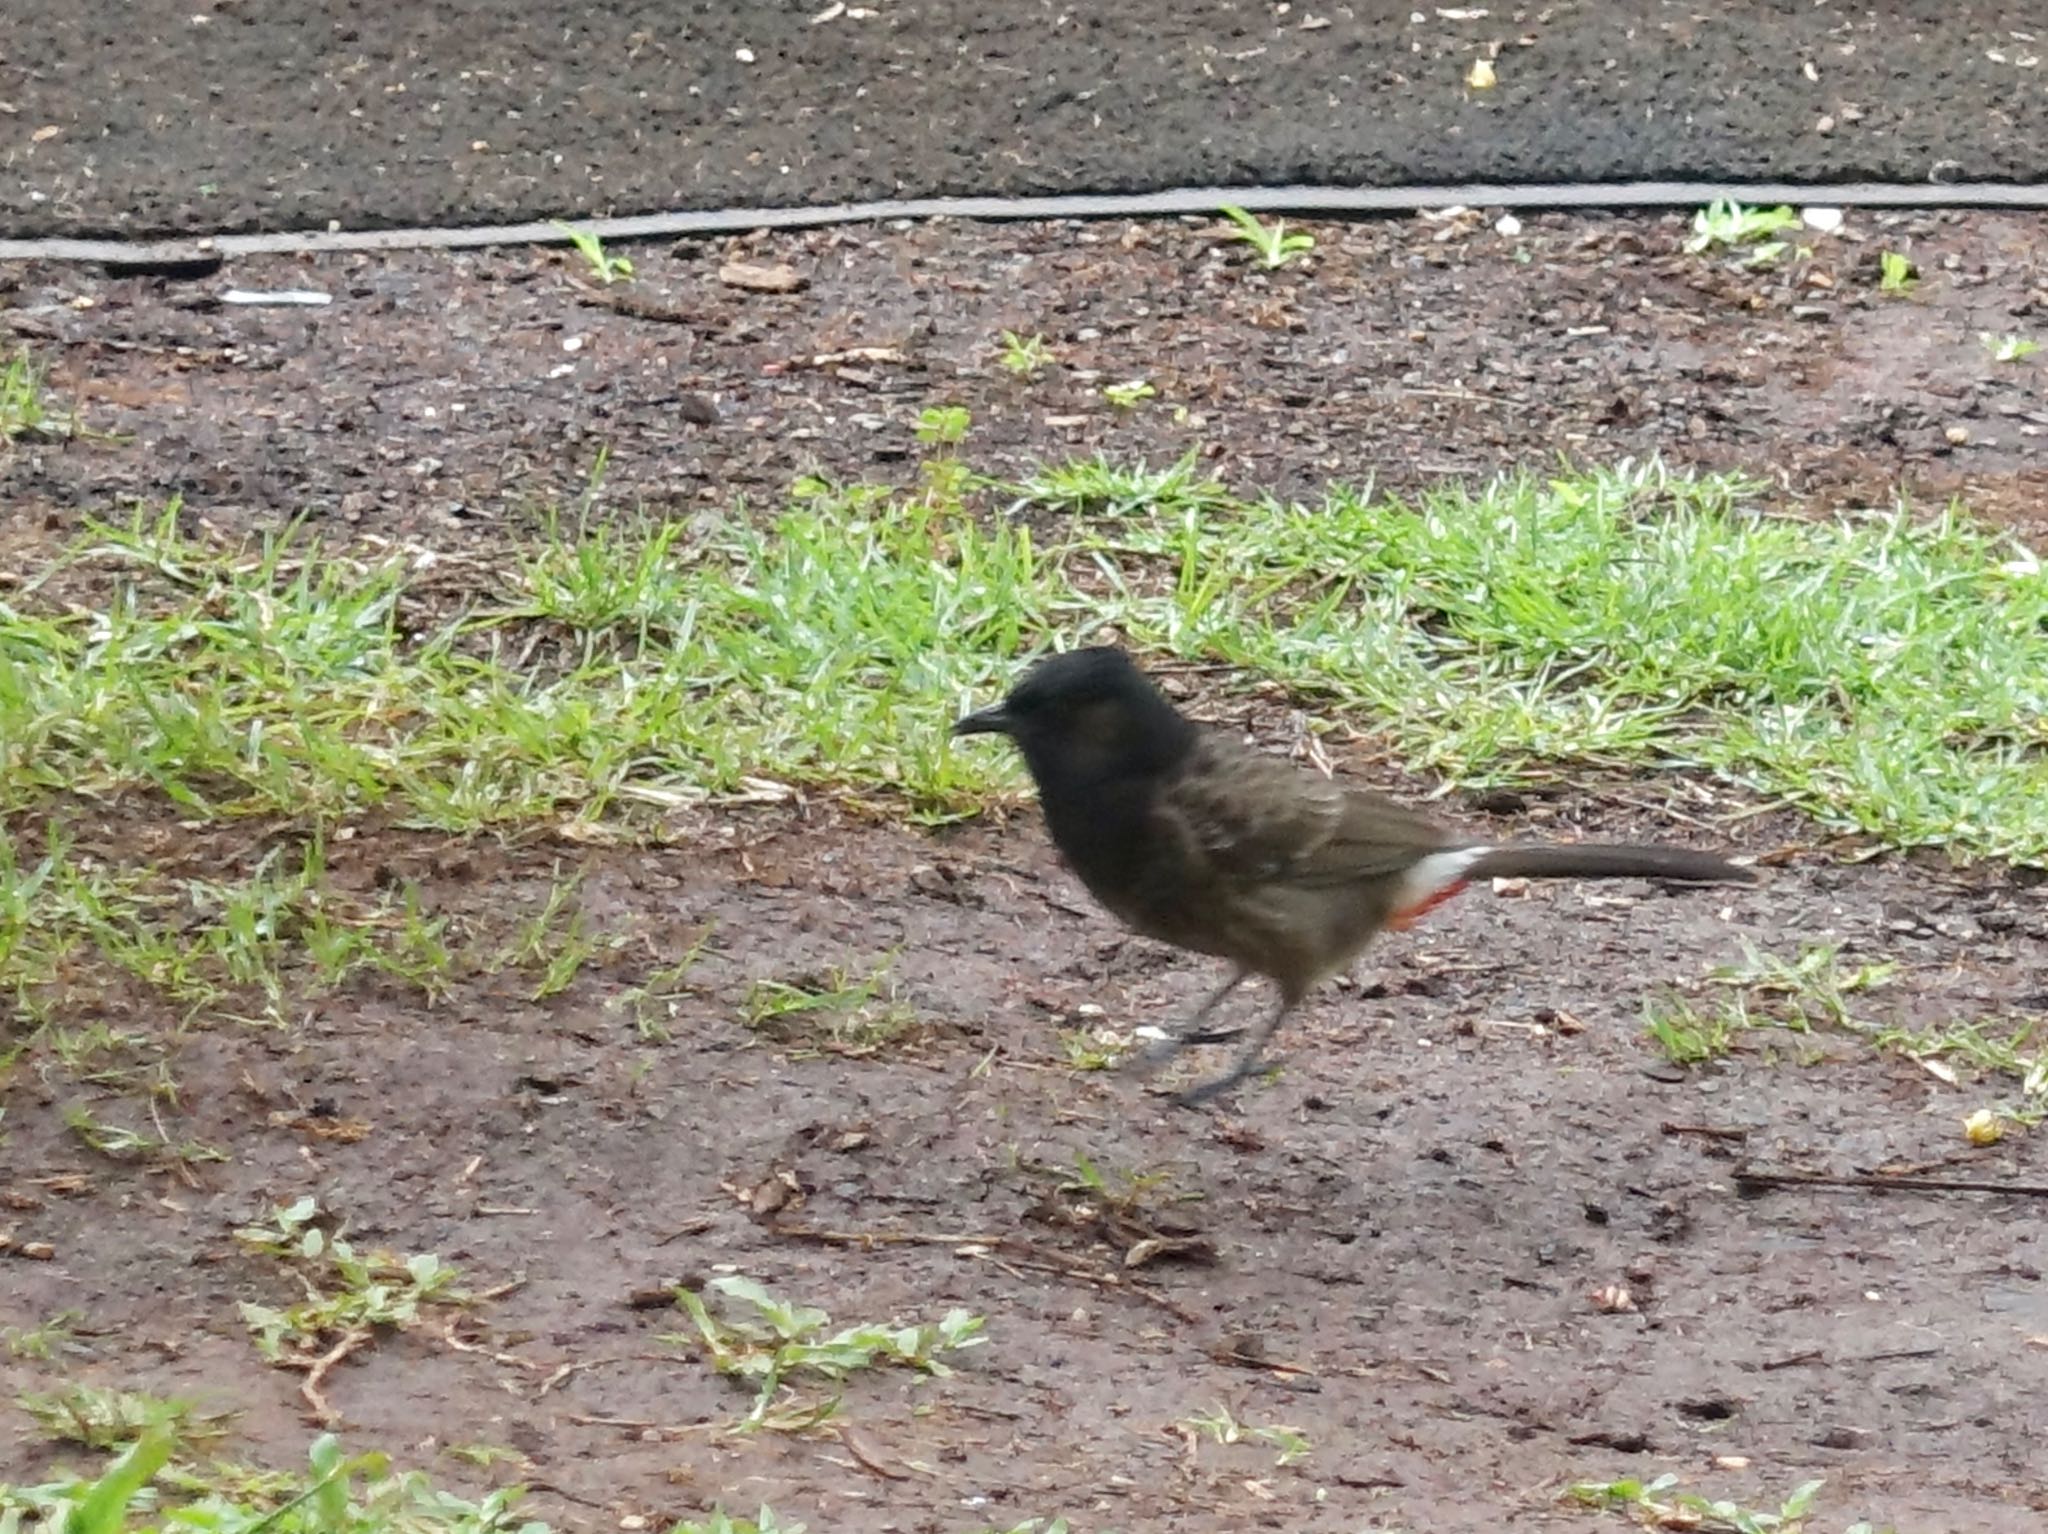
1984 1127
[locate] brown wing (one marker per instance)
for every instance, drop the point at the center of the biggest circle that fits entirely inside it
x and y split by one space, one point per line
1257 819
1272 865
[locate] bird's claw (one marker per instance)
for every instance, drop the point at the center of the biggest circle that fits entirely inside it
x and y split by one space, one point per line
1195 1096
1159 1051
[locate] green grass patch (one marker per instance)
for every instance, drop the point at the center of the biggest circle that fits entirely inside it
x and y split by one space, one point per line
1889 674
145 1489
1998 1060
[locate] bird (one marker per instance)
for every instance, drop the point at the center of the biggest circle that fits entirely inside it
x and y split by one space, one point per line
1192 837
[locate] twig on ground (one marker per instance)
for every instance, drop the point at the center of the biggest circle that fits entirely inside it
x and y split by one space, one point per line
866 1459
1759 1181
317 1370
641 1425
1013 1250
1705 1131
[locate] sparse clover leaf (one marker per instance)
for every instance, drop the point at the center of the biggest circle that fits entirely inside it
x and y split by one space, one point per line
1800 1503
787 1321
962 1329
269 1326
722 1522
792 1343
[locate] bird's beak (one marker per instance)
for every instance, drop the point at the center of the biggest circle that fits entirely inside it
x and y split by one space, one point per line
993 720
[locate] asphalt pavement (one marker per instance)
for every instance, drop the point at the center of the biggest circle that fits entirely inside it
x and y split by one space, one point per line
154 118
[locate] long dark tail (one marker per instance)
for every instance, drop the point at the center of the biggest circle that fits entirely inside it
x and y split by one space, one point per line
1601 860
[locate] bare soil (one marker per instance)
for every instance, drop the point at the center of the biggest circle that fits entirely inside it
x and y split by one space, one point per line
1406 1247
452 396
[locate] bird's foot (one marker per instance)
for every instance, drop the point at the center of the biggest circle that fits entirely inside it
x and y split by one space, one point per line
1160 1051
1208 1091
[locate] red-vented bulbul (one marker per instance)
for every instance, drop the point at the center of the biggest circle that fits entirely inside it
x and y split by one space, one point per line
1197 840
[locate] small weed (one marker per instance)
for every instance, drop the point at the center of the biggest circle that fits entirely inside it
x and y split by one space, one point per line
105 1419
1688 1034
559 941
1989 1048
833 1013
485 1455
946 478
771 1340
1725 223
41 1343
721 1522
1025 355
340 1495
24 407
1123 1190
653 1001
88 1051
605 268
1031 1526
1128 395
119 1143
419 953
1093 1048
346 1293
1811 991
1221 1426
943 425
1652 1504
1096 487
2008 348
1274 246
1974 1043
1895 273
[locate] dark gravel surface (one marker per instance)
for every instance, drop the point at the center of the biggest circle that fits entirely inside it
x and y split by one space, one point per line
155 118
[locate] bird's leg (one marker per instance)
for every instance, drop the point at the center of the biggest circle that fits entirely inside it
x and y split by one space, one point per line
1160 1051
1248 1063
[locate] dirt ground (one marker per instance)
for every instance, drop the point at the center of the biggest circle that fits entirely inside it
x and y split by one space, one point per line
450 396
1400 1247
223 115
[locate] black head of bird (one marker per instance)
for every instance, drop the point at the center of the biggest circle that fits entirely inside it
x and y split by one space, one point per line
1087 718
